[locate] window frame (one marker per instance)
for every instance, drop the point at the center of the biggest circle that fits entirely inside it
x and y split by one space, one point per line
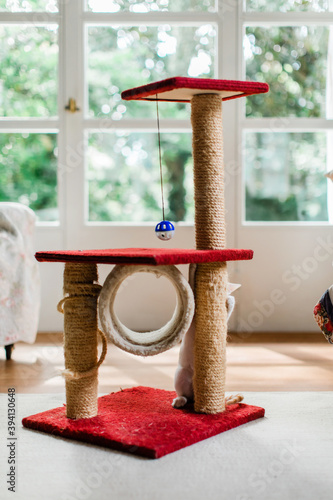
72 129
276 124
52 124
190 19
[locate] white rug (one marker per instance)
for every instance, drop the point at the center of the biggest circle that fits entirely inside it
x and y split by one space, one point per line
288 455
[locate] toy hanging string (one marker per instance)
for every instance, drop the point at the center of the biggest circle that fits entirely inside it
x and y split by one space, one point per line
159 153
165 229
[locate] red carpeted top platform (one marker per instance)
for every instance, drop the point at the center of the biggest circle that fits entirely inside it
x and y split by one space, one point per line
142 421
147 256
182 89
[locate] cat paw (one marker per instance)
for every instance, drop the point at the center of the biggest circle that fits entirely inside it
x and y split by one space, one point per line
179 402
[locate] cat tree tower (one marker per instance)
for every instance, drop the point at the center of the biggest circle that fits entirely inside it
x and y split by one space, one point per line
88 419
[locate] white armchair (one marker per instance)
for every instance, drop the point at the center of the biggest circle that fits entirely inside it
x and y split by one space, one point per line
19 276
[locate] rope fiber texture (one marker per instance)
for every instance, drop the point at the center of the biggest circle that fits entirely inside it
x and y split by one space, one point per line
211 279
80 339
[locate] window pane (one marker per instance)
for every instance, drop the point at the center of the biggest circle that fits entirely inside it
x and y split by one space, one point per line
287 5
124 57
28 172
293 61
28 5
150 5
124 178
285 176
28 71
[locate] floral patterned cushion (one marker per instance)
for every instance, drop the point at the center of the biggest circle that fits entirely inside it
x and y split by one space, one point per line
323 314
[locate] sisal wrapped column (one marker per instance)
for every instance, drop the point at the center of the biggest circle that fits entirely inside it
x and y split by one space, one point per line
80 339
211 278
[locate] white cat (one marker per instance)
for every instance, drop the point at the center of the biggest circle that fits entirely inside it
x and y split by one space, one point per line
185 369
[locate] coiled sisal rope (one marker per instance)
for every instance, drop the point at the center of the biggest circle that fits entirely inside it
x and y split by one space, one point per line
80 339
211 278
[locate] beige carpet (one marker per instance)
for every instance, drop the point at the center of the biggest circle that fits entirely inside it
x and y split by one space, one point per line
288 455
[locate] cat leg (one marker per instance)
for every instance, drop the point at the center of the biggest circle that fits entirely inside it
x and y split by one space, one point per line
179 402
183 386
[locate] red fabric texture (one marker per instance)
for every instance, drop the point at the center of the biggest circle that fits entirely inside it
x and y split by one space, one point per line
148 256
142 421
246 88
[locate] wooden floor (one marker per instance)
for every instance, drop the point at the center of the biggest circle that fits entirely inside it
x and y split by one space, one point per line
264 362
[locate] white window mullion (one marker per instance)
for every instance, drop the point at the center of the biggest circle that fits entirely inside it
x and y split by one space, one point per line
228 47
287 123
31 18
146 124
286 18
36 125
74 145
149 19
61 122
329 116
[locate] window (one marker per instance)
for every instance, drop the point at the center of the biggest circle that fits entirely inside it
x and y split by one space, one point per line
287 133
29 48
92 176
106 153
129 44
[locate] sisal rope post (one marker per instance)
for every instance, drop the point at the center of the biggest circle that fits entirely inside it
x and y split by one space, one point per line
211 278
80 339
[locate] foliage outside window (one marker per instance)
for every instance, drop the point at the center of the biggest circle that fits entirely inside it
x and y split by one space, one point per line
123 169
29 92
285 167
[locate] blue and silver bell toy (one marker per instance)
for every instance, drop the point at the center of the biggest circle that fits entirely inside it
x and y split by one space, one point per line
165 230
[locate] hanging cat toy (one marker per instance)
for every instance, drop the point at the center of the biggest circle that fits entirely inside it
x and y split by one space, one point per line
164 230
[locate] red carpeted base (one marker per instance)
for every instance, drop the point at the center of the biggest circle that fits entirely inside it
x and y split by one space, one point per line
142 421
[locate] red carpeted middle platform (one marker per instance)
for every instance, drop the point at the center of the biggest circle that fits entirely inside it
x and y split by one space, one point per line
142 421
147 256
